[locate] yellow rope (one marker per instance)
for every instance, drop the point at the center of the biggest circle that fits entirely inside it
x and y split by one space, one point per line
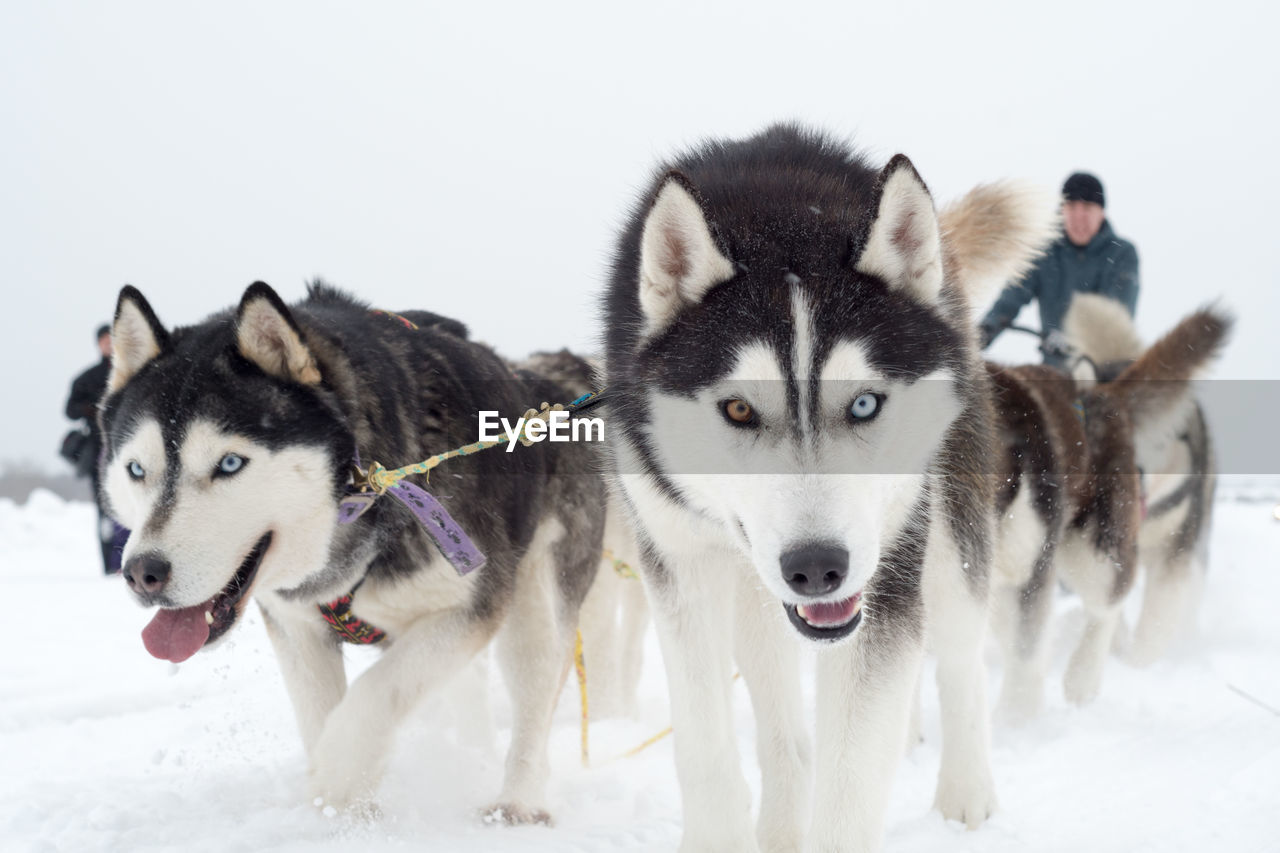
379 478
580 664
623 569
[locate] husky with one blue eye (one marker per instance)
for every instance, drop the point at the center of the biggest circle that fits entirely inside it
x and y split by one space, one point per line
230 448
802 431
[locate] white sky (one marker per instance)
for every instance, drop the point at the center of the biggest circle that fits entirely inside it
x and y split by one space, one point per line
475 159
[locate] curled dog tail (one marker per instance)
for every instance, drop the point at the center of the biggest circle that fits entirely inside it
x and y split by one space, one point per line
994 233
1156 387
1100 327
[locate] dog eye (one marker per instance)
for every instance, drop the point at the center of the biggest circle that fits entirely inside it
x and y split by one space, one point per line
739 412
230 464
135 470
865 406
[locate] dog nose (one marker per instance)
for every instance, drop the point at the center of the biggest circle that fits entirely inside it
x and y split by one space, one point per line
815 569
146 574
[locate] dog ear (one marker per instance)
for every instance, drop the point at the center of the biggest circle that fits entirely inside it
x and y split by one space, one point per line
679 258
267 335
136 337
903 246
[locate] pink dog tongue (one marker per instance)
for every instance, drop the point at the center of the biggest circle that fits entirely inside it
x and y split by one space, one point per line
833 613
176 635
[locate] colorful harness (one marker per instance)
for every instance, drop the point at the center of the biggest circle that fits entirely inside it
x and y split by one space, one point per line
456 546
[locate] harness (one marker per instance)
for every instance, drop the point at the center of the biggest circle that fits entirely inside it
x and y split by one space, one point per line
368 485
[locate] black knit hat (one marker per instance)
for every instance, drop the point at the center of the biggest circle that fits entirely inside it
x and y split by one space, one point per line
1084 187
104 329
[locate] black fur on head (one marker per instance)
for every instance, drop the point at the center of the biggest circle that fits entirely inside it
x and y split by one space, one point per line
787 204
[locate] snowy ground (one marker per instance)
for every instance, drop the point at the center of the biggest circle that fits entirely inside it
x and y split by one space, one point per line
104 748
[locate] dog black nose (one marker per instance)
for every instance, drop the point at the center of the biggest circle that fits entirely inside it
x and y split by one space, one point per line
815 569
146 574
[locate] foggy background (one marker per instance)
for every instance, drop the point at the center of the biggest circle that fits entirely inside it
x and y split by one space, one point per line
476 159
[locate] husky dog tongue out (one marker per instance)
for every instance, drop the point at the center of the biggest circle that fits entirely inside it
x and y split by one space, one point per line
800 428
229 446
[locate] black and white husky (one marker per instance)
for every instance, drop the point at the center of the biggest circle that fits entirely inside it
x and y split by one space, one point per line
230 447
800 427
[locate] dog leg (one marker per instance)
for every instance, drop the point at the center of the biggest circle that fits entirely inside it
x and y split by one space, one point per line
351 752
915 725
1166 608
1027 609
692 603
957 621
768 655
864 702
1092 573
467 698
311 663
1083 678
535 651
634 623
598 621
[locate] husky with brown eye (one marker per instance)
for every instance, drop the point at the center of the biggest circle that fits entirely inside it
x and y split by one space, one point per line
789 334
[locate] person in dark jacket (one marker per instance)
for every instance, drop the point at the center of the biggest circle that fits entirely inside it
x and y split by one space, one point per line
1087 258
82 405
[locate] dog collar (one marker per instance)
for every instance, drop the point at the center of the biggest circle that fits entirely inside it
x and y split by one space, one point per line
350 627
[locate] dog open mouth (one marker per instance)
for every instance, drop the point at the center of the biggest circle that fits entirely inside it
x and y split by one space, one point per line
175 634
828 621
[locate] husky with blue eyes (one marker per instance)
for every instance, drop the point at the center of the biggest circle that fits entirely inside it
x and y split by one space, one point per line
230 448
802 431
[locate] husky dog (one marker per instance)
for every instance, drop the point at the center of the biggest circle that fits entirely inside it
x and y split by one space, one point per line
1179 477
229 449
799 428
615 614
1069 502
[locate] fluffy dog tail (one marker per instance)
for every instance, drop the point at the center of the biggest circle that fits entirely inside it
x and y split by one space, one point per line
1101 328
1156 387
994 233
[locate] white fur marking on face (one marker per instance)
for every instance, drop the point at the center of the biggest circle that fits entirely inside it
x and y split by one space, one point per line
214 522
848 362
904 247
133 500
679 261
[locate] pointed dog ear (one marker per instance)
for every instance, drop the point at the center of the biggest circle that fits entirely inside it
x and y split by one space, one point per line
267 335
679 259
136 337
903 245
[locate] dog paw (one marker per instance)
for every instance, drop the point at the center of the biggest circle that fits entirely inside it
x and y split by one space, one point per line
510 814
360 810
1082 682
970 801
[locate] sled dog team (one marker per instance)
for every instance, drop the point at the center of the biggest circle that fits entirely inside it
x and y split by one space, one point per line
804 449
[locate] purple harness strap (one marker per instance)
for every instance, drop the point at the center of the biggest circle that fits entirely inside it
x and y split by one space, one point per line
448 535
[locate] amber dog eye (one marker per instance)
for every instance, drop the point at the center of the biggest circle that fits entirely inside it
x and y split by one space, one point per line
739 412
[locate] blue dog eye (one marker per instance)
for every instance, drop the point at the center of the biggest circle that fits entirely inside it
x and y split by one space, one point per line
230 464
864 406
135 470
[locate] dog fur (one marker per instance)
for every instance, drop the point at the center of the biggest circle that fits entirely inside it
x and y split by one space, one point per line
783 280
1069 504
285 397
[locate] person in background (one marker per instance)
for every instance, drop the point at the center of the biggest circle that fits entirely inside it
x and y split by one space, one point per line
82 405
1087 258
